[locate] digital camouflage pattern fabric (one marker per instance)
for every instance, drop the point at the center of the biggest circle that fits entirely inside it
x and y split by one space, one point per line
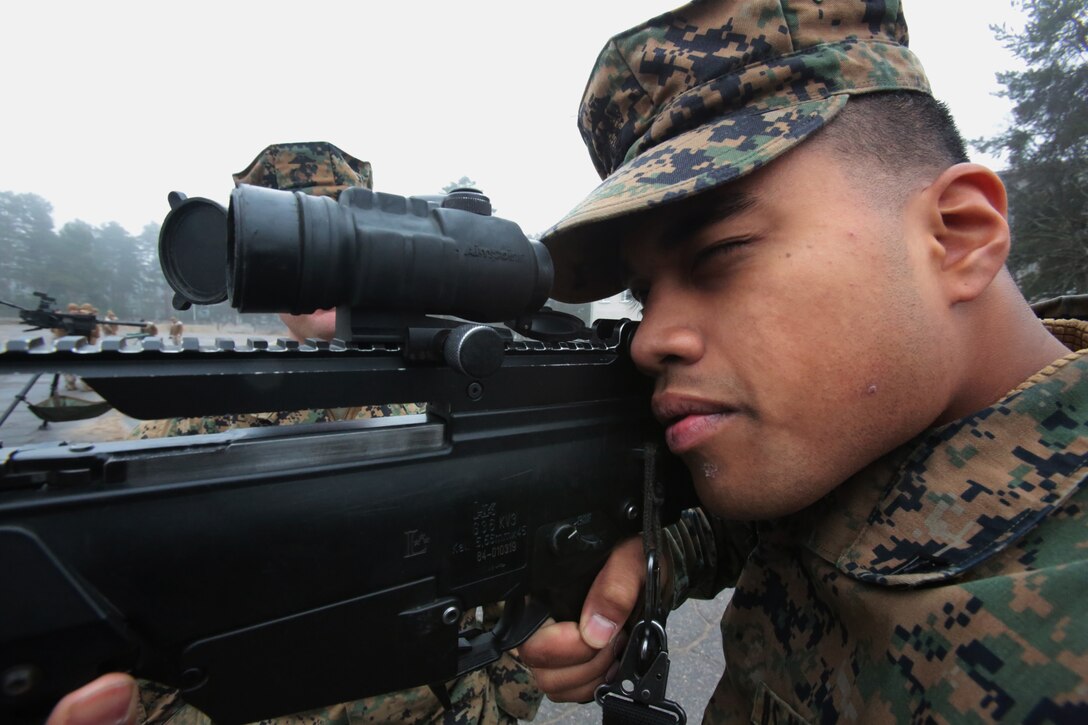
313 167
944 583
218 423
703 95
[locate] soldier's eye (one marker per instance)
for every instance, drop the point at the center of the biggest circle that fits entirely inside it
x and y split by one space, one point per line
708 259
717 249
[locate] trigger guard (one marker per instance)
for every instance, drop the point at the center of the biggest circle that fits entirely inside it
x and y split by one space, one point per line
520 618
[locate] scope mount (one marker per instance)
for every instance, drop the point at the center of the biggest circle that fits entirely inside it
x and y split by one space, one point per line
431 275
473 349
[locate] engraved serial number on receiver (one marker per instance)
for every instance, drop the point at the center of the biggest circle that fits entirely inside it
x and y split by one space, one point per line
497 551
495 534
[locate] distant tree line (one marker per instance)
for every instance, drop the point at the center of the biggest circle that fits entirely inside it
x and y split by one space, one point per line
101 265
1046 147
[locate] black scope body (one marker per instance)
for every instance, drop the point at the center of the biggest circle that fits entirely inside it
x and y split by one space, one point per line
283 251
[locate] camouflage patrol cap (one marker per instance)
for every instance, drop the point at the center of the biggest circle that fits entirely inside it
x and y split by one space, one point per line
312 167
705 94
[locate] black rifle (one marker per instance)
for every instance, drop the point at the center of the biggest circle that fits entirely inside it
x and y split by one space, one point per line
268 571
45 317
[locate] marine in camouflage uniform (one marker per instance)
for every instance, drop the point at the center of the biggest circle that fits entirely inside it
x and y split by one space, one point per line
107 326
500 693
943 582
177 329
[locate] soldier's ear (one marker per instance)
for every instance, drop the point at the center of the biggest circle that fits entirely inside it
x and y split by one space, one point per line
964 212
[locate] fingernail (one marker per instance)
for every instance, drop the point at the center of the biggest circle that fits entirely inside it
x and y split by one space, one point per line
599 631
115 703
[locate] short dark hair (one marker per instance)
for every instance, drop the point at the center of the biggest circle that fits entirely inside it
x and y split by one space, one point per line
896 139
896 136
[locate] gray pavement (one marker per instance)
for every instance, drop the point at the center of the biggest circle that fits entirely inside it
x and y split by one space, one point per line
22 427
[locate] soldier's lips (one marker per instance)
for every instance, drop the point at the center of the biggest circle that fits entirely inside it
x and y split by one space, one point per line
691 431
690 422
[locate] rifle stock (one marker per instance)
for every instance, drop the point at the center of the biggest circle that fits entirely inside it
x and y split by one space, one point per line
269 571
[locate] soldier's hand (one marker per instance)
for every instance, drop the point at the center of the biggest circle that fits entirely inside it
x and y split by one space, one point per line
109 700
569 659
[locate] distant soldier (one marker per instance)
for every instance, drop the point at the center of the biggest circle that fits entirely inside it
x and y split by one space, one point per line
176 329
71 309
88 309
106 326
150 329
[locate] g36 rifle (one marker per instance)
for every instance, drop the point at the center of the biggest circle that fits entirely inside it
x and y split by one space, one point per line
268 571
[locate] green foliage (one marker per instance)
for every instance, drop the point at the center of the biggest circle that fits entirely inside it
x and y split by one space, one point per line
26 222
1047 148
104 266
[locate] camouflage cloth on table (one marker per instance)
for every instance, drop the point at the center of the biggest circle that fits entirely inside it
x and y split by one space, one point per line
943 583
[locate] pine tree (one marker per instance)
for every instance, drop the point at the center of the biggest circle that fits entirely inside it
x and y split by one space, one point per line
1047 148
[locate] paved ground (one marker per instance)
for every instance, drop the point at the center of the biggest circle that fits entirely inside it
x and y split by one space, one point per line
694 640
22 427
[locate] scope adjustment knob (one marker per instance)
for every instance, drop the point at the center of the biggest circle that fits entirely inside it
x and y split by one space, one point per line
468 199
474 350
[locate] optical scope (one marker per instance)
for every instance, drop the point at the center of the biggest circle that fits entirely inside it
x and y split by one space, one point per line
282 251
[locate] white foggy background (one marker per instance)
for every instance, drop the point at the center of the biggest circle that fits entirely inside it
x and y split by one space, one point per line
112 104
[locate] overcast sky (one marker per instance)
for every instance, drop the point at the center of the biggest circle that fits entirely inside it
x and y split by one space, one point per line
109 105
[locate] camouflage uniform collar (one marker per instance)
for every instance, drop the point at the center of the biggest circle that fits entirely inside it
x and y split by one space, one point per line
959 494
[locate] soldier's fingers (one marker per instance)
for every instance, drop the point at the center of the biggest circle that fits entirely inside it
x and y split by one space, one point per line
614 594
577 683
556 645
109 700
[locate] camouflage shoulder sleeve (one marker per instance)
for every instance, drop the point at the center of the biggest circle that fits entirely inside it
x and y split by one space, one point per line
705 555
